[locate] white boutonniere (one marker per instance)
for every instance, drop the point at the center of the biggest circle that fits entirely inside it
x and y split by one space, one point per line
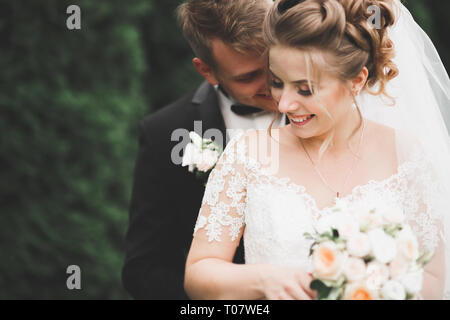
201 155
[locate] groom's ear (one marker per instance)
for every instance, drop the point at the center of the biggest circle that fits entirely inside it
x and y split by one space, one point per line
205 71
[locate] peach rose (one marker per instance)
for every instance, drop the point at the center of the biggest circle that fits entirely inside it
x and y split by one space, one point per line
359 291
328 261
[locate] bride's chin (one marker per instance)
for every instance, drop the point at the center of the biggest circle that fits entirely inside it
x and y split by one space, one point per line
301 134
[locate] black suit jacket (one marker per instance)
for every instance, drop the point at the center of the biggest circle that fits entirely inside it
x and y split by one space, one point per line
166 199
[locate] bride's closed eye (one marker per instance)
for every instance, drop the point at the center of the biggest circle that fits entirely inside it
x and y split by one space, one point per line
303 90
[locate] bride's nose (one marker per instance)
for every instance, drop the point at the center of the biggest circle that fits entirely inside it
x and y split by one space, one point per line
288 102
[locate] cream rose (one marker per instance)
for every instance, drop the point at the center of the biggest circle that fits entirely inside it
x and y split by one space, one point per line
328 261
412 281
369 219
377 274
347 225
326 223
354 269
393 290
407 244
384 247
359 245
393 215
398 267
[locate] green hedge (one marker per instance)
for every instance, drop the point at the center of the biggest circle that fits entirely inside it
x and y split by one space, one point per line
70 104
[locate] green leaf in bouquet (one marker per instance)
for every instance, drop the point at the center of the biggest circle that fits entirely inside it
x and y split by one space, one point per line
323 291
368 259
335 233
409 296
335 293
308 236
424 258
392 229
336 283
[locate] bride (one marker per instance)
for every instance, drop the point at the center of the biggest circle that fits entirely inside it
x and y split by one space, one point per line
365 128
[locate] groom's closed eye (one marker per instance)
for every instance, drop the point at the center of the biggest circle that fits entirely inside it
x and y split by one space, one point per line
248 77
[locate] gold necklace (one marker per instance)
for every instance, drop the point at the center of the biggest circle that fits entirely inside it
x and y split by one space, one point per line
351 168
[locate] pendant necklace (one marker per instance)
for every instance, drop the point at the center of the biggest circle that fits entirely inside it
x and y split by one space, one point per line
338 194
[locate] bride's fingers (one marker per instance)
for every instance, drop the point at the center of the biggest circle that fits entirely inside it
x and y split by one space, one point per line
298 293
285 296
305 282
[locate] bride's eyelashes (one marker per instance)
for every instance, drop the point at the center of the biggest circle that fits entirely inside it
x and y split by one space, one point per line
302 89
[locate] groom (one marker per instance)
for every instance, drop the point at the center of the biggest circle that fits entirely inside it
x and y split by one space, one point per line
226 37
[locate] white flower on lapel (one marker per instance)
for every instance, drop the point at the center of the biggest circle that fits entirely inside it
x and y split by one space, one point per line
200 154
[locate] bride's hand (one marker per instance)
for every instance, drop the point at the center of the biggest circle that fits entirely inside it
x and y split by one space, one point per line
285 283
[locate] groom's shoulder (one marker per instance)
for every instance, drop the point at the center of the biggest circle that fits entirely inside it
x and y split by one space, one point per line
178 114
170 113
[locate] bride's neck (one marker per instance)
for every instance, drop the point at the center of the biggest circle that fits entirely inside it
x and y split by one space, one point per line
345 134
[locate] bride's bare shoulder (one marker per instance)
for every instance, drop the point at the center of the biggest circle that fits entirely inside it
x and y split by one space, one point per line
381 134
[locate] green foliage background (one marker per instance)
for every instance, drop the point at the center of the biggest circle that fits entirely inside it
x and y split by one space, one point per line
70 102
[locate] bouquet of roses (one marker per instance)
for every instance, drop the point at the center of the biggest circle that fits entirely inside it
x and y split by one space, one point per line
201 155
366 254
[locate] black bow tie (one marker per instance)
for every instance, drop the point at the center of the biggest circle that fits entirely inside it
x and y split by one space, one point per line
242 109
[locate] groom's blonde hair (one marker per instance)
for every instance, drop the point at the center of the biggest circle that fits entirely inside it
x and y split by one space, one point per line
238 23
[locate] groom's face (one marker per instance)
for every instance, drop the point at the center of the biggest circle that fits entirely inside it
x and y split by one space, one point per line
242 76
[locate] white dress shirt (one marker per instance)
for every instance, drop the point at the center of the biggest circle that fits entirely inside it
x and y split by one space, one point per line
259 120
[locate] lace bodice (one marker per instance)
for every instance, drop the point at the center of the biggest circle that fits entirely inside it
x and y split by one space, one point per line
274 213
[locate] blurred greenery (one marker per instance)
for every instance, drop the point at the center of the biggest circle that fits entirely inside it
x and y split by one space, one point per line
69 108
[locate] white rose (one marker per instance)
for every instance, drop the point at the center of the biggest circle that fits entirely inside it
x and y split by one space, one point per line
328 261
354 269
196 139
393 215
359 291
326 223
347 225
393 290
384 247
407 244
207 160
412 281
377 274
369 219
189 156
398 267
359 245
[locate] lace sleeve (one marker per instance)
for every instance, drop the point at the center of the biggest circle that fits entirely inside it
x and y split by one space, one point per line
426 204
223 204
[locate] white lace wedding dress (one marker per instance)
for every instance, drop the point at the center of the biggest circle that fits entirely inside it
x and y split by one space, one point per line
276 212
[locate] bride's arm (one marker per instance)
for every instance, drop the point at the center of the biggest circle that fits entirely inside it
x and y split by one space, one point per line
434 272
210 273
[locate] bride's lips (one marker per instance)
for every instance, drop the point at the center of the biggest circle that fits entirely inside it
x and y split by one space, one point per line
294 120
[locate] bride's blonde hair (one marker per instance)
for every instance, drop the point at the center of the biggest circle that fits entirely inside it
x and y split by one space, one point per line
337 36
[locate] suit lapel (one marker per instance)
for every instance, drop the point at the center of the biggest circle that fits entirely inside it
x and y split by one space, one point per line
208 110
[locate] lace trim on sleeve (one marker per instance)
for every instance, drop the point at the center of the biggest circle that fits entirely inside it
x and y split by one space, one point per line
225 194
